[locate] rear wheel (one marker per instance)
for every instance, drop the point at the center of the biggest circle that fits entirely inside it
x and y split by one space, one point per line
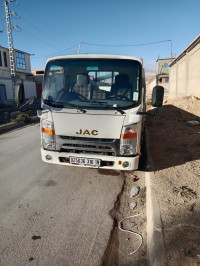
142 161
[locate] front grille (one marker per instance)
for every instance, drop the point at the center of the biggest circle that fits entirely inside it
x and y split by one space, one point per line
87 139
98 146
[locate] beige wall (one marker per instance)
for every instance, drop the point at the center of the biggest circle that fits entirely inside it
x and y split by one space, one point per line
194 71
30 89
149 87
185 75
8 86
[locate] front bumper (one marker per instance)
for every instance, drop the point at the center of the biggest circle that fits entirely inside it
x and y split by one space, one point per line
107 162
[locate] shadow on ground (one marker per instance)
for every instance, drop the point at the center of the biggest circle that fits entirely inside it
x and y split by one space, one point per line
173 154
171 141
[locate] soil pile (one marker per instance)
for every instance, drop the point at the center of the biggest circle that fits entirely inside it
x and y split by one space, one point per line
174 156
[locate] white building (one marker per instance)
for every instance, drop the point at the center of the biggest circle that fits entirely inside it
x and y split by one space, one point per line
22 70
160 78
184 72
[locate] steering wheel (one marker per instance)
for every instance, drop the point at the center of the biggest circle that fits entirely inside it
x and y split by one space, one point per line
80 96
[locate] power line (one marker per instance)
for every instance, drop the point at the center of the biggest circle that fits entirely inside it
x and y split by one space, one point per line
37 28
56 52
33 36
124 45
43 22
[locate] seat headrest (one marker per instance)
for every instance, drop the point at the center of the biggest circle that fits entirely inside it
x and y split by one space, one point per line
122 80
82 80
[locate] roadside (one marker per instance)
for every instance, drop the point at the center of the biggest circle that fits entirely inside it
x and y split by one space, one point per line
9 112
174 157
127 245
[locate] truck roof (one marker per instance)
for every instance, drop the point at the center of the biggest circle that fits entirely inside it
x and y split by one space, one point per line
96 56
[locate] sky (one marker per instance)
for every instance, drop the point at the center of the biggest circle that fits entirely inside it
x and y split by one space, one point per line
51 28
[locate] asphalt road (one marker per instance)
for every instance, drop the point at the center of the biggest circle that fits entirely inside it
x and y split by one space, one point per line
50 214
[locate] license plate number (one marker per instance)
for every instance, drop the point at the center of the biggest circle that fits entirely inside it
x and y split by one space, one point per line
84 161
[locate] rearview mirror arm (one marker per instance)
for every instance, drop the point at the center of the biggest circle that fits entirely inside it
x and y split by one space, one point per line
145 113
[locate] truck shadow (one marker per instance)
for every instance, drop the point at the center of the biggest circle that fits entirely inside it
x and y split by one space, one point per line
169 140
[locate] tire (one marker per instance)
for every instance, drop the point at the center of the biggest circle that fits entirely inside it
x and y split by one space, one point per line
142 160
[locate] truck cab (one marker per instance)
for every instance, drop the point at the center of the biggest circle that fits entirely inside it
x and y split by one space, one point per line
92 111
91 108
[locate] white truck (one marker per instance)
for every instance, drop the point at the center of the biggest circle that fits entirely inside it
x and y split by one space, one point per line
92 110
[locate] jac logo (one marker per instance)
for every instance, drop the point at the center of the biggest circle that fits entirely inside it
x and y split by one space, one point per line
87 132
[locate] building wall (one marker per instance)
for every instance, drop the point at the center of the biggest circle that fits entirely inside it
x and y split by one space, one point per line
8 86
21 74
149 88
27 61
30 89
194 71
172 82
163 65
185 74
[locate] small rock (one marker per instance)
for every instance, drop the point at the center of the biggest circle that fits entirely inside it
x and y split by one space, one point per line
134 191
131 224
134 178
192 207
133 205
36 237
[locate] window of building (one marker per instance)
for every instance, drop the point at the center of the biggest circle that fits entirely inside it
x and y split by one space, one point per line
0 59
5 59
166 65
20 60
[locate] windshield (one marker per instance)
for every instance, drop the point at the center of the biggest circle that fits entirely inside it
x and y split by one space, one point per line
93 83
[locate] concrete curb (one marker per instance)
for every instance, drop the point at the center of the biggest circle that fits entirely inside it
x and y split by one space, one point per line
155 240
14 125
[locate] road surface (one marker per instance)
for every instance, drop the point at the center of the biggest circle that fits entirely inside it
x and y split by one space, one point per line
50 214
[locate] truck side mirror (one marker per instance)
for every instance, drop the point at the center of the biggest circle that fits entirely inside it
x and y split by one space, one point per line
19 94
157 96
31 100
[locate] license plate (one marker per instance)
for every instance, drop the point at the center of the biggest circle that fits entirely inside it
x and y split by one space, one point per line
84 161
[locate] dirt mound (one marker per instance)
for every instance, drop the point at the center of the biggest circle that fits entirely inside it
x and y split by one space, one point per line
174 148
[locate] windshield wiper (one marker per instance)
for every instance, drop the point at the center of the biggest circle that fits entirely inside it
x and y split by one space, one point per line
117 109
73 106
105 104
88 101
61 105
53 104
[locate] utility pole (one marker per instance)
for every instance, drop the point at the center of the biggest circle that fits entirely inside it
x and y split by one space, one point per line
171 48
79 47
10 42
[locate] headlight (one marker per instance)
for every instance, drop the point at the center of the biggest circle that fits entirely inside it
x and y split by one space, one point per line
48 135
128 140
